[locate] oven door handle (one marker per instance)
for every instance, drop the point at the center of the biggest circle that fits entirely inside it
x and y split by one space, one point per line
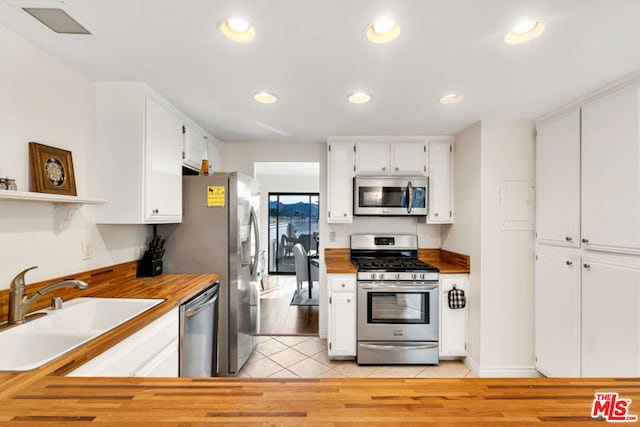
399 347
383 287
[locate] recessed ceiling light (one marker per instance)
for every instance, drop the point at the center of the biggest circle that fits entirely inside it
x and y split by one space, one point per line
383 31
451 98
238 25
265 97
238 30
524 31
359 98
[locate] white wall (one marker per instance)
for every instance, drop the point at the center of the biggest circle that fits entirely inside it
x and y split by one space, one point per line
44 101
501 335
508 154
241 156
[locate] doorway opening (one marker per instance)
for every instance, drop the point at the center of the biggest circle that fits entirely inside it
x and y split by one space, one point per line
289 214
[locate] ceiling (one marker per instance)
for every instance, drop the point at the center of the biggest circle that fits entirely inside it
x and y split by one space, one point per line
313 53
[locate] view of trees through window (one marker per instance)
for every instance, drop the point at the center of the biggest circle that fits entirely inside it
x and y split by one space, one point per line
293 218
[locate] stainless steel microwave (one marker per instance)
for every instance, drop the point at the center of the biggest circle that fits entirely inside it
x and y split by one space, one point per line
385 195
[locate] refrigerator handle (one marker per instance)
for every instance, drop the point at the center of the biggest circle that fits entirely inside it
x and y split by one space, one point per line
254 223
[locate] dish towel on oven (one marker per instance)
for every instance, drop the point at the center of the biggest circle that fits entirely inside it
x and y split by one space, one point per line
457 299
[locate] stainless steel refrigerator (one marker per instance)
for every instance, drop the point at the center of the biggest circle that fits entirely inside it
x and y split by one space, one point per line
219 234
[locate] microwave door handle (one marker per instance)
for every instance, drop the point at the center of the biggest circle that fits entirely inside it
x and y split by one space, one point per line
410 198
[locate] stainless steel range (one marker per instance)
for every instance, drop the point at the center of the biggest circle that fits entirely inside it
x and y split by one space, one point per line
397 301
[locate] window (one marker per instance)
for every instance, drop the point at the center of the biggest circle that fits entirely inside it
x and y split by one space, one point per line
293 218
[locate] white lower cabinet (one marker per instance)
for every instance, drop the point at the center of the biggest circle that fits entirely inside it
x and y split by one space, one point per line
587 314
342 314
610 318
151 352
453 322
557 314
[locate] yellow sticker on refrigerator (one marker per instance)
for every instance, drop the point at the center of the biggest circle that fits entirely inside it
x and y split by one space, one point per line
215 196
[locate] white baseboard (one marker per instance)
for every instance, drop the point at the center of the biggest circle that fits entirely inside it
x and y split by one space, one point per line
517 371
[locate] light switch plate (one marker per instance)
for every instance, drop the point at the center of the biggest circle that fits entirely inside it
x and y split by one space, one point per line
87 250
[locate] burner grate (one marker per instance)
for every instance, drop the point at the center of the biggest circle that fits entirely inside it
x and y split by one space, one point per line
391 264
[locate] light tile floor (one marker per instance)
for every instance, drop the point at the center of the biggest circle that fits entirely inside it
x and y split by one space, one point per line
306 357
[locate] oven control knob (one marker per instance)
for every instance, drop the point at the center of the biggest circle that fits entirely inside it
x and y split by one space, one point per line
397 276
422 276
414 276
381 276
373 276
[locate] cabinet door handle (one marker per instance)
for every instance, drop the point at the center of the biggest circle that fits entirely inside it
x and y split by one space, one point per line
343 285
586 266
155 211
348 300
568 238
435 214
397 168
384 168
585 240
569 263
344 214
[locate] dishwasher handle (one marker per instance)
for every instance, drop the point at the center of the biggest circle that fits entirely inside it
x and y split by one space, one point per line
202 302
197 309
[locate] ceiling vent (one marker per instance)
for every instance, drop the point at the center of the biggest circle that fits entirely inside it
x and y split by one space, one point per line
57 20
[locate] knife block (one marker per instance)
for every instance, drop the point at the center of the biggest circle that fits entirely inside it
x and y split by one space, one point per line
149 267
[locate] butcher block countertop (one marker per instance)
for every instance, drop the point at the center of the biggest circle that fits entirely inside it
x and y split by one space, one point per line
375 402
175 288
338 261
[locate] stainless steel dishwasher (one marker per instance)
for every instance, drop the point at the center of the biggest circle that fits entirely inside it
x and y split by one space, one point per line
198 334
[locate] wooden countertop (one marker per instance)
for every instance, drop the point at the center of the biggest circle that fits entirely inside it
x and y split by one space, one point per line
175 288
53 401
338 261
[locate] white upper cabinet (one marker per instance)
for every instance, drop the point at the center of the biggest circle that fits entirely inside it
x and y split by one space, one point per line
611 172
390 156
557 314
440 182
163 181
340 181
138 156
213 153
372 158
195 146
408 157
558 180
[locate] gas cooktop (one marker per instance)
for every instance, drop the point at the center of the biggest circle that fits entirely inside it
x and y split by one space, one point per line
392 264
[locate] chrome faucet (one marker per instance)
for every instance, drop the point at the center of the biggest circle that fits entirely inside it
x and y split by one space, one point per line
19 303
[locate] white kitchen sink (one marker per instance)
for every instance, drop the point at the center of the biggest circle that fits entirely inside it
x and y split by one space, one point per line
39 341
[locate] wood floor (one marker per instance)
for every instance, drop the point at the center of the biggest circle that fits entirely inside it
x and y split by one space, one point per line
277 317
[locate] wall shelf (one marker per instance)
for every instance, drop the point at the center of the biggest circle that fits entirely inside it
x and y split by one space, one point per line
63 206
